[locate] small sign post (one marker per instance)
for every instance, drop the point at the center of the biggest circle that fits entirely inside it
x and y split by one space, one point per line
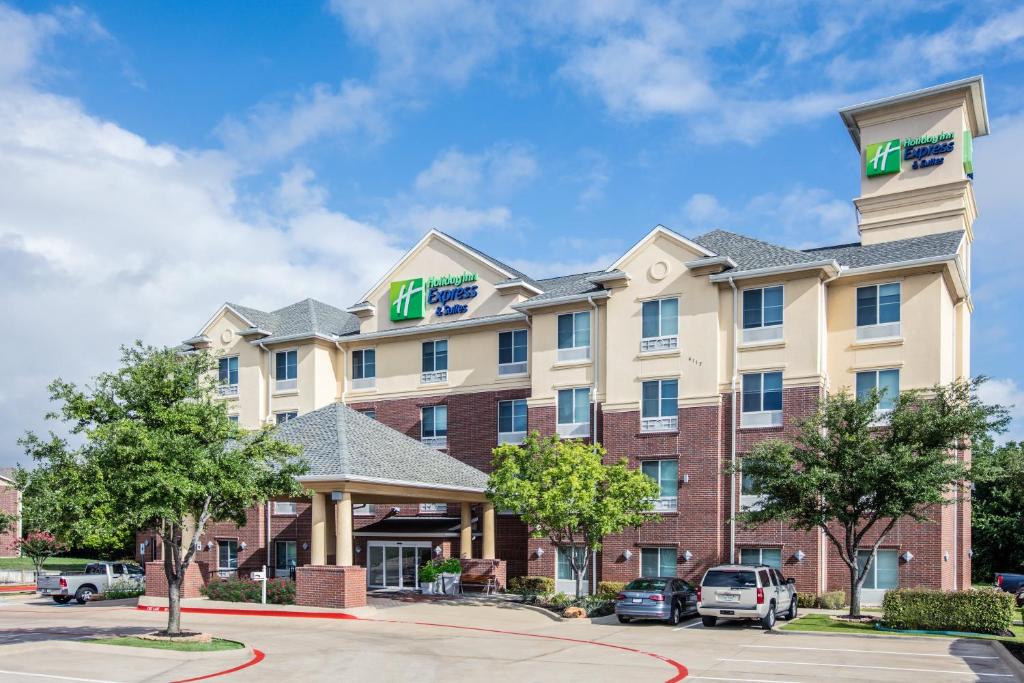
261 576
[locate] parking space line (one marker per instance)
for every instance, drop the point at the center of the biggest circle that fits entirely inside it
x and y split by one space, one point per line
873 652
698 622
865 666
54 677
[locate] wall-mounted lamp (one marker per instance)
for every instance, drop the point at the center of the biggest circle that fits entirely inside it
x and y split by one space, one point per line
945 556
627 554
305 546
540 552
209 545
395 510
687 556
438 551
686 478
799 555
359 549
970 553
907 556
242 545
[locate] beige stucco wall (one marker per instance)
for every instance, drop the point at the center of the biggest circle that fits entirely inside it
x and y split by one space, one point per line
547 374
225 341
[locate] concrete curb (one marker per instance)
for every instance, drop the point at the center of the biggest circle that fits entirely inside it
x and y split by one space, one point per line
546 612
83 646
1014 664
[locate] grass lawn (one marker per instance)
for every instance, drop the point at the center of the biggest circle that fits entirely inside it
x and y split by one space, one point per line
821 623
131 641
54 564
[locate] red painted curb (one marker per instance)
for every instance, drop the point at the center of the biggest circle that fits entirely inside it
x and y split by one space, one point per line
17 589
257 657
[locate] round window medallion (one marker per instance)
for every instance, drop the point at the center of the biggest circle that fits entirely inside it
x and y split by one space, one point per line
658 270
226 336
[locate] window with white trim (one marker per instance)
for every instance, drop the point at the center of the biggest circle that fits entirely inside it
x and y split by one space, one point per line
227 376
512 350
749 500
769 556
433 508
435 361
660 324
887 382
364 510
762 314
574 336
364 368
286 370
512 421
884 572
574 412
657 562
233 419
285 507
285 416
762 400
227 555
878 311
659 405
666 474
369 412
434 426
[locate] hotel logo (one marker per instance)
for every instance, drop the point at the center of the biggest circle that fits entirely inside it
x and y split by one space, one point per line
407 299
882 158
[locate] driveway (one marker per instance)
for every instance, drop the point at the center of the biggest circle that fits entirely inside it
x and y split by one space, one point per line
428 642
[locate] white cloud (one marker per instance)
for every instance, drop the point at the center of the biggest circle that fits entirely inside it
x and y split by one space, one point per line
498 170
457 220
1006 392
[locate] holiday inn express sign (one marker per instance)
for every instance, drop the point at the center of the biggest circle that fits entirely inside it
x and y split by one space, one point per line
887 157
409 299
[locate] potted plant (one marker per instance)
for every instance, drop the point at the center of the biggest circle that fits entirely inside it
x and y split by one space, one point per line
450 573
428 578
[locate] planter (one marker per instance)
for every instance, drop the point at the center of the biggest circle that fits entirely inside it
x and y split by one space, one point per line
449 583
428 587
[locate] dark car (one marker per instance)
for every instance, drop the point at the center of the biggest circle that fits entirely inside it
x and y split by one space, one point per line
664 598
1011 583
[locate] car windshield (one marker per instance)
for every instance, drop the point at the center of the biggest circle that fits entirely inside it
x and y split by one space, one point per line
646 585
726 579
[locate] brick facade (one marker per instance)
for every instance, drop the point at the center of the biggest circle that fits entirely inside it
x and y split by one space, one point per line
330 586
10 503
196 577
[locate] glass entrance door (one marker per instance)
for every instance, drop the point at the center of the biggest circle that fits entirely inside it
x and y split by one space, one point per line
396 565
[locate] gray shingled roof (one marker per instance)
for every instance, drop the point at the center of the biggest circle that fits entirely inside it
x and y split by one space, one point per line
859 256
751 254
305 318
487 257
338 441
567 285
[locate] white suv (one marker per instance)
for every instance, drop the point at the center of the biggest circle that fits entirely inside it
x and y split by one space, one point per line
738 591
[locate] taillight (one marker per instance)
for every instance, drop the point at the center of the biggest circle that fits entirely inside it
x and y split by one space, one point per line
620 596
760 596
698 594
999 579
63 582
658 597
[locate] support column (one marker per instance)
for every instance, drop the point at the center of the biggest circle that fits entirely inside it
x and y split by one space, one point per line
318 539
487 547
343 530
466 533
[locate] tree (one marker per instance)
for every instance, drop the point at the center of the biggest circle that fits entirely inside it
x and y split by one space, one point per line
563 491
853 472
997 508
39 546
159 452
7 522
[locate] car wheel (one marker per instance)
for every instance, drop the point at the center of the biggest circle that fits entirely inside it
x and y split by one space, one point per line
84 594
791 612
624 620
768 620
62 599
676 615
709 621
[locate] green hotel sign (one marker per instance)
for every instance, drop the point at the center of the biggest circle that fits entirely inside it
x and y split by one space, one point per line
408 299
887 157
882 158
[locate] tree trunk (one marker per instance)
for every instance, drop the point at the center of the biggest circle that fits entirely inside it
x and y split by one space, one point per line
854 591
173 607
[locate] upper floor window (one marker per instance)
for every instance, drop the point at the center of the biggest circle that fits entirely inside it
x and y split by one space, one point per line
512 352
370 413
659 410
287 369
511 421
660 325
574 412
762 399
435 361
434 426
285 416
574 336
227 376
666 473
364 510
769 556
656 562
285 507
749 499
233 419
762 314
887 382
878 311
364 368
433 508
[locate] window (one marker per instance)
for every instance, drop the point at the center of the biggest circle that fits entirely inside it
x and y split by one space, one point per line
286 416
285 559
749 500
659 410
666 473
884 572
364 510
285 507
434 426
287 370
878 311
370 413
227 376
564 565
769 556
660 325
762 314
574 412
512 352
762 400
657 562
887 382
435 361
233 418
364 368
227 555
511 421
433 508
574 336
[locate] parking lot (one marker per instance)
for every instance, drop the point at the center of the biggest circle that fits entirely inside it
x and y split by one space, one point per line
426 642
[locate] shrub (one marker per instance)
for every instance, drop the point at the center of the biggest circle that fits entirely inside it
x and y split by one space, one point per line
806 600
279 591
609 589
974 611
832 600
451 566
429 572
124 588
531 585
561 600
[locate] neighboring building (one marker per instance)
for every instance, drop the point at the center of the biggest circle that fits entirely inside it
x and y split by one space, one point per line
681 351
10 503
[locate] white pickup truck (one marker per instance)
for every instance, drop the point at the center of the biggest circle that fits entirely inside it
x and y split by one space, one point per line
81 586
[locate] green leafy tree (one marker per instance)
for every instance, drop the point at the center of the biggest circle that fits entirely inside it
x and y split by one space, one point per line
39 546
997 508
853 472
159 452
7 522
563 491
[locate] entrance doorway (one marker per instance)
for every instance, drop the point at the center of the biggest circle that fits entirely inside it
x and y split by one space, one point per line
396 564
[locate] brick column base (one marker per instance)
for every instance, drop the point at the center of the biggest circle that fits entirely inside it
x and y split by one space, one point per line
330 586
496 568
196 578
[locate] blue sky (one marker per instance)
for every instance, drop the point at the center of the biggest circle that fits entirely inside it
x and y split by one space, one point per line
157 159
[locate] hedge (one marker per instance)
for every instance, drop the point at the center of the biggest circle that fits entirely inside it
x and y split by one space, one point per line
973 611
609 589
279 591
531 585
829 600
